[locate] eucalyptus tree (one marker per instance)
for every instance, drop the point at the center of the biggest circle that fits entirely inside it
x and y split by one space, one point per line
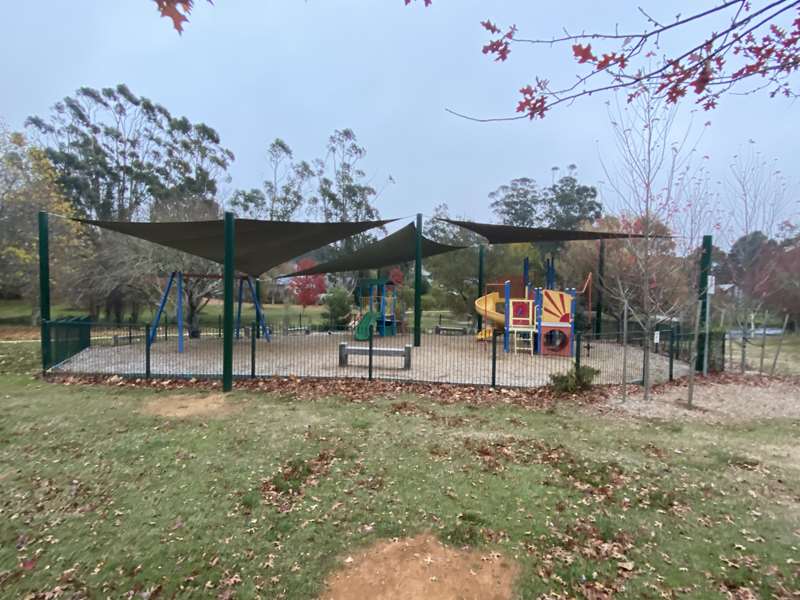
119 156
284 192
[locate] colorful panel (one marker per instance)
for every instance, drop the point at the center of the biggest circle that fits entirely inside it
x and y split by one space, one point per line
521 313
557 307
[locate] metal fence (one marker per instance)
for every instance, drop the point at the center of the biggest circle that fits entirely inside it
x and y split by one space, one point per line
761 352
447 354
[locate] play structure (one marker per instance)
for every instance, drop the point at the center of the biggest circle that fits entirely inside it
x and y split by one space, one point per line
533 318
179 279
539 321
377 301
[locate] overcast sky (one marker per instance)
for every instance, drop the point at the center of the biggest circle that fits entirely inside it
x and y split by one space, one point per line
260 69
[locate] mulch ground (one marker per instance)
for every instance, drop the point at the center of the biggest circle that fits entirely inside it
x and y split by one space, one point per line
357 390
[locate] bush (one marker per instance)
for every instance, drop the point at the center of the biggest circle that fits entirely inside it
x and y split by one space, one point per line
577 380
338 306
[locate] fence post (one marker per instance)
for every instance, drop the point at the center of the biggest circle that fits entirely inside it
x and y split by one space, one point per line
370 352
743 366
692 354
147 356
253 350
46 357
418 283
577 352
480 282
763 344
44 289
780 344
625 351
494 357
228 279
601 262
672 354
705 271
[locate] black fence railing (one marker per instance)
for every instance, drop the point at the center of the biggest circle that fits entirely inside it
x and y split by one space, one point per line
448 353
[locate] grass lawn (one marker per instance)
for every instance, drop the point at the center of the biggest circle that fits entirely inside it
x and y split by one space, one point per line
15 317
788 360
267 495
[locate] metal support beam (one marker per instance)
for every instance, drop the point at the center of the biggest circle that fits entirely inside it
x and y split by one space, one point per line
481 282
507 310
601 272
526 273
418 285
44 288
260 319
227 310
179 311
702 287
164 297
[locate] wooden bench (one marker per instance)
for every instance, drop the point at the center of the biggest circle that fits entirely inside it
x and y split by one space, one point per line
444 330
345 351
298 331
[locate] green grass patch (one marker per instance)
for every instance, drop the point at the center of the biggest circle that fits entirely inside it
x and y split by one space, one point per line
102 499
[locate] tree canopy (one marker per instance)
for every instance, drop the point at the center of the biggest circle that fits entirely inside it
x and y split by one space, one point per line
120 156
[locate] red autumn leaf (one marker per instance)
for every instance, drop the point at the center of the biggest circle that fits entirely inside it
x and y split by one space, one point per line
172 9
489 26
28 564
703 79
583 53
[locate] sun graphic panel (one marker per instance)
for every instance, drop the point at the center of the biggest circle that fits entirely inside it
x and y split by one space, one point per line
556 308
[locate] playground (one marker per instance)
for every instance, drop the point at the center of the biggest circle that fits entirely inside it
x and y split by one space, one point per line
440 358
522 332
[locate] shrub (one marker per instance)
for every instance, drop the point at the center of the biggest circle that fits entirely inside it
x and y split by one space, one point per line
337 307
576 380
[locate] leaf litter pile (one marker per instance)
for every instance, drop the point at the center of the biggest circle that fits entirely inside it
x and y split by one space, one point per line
380 490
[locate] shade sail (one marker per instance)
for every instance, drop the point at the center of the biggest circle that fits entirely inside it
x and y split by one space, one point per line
511 234
396 248
260 245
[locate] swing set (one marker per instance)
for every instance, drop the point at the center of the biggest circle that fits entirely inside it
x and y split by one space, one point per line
180 279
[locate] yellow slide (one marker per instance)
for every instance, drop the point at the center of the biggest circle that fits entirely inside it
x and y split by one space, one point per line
486 306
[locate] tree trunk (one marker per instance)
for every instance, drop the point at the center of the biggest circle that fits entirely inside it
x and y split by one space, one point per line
193 315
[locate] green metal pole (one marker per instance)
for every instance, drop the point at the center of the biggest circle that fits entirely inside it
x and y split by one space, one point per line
481 282
258 301
705 271
601 272
227 312
418 285
44 289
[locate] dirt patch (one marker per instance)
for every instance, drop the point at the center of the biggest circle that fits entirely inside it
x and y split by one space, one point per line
184 406
718 399
422 567
19 332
